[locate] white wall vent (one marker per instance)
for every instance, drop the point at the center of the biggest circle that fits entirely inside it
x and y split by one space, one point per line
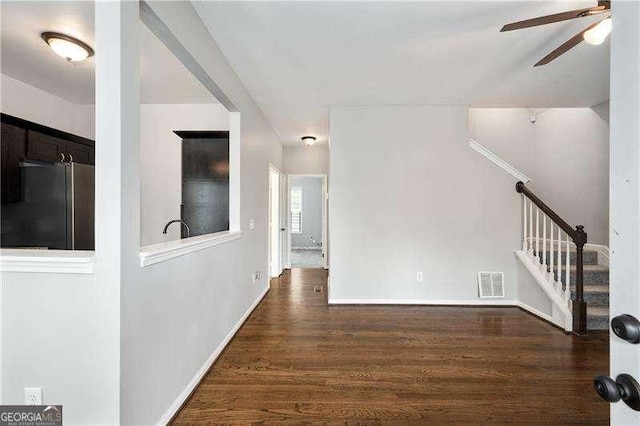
490 285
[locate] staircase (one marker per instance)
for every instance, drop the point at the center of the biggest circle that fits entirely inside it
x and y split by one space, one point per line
596 285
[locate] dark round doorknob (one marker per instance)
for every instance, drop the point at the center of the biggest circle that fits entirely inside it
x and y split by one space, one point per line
626 327
607 388
625 387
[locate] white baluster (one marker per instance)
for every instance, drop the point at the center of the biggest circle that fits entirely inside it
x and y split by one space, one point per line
544 241
567 288
559 278
524 222
538 233
530 227
551 250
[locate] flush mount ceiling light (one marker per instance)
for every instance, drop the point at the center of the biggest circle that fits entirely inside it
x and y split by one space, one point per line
598 34
309 140
68 47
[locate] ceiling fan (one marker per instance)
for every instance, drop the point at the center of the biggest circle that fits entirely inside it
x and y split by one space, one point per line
595 33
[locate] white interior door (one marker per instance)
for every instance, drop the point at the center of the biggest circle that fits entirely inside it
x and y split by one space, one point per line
625 193
274 222
284 225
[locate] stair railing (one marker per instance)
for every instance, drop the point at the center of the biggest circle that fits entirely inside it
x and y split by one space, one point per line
550 257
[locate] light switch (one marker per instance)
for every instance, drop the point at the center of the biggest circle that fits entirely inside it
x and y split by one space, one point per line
252 224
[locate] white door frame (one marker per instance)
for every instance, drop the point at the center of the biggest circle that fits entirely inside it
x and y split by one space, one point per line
274 224
325 217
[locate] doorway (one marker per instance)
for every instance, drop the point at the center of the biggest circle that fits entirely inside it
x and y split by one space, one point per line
274 222
307 211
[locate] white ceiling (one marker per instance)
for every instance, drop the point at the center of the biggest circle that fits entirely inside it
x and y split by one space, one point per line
26 57
299 58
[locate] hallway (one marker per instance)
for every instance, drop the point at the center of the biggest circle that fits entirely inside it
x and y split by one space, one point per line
306 258
298 360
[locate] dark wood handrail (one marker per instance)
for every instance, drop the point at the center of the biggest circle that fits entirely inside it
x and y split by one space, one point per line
579 237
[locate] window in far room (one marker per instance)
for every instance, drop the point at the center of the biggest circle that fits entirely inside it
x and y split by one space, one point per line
296 210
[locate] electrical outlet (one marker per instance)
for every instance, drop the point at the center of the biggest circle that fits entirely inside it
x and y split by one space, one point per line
256 276
33 396
252 224
419 276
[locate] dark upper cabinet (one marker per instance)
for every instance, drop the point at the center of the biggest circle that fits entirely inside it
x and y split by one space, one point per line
22 139
13 140
45 148
80 153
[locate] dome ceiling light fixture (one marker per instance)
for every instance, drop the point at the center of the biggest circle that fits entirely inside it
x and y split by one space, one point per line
309 140
594 34
70 48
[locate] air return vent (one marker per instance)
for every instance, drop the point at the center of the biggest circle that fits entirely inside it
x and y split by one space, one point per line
490 284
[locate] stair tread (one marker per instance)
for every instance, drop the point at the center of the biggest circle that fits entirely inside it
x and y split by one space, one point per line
595 288
599 311
564 246
589 257
586 268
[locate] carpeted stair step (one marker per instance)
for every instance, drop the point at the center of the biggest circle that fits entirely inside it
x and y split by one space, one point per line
595 295
589 257
593 275
596 285
597 318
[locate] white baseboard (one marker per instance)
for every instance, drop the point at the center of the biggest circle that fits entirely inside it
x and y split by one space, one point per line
480 302
473 302
180 400
537 313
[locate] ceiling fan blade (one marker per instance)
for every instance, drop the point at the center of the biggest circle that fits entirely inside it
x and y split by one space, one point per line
566 46
563 16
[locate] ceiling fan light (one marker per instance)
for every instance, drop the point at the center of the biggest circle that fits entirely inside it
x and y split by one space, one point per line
68 47
598 34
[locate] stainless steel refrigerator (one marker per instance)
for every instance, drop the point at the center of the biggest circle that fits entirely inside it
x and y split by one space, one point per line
56 210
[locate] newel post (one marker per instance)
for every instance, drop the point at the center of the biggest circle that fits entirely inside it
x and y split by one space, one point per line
579 305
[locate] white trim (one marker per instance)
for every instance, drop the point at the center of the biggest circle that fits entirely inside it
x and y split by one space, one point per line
195 381
498 161
156 253
50 261
434 302
235 144
274 224
538 313
543 280
462 303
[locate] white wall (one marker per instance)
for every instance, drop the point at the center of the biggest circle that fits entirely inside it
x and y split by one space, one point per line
122 345
30 103
311 212
161 162
175 314
306 160
425 202
70 345
565 153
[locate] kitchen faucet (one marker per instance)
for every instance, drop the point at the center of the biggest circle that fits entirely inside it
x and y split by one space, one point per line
182 222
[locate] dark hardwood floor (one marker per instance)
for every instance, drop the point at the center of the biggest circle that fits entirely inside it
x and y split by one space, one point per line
297 360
